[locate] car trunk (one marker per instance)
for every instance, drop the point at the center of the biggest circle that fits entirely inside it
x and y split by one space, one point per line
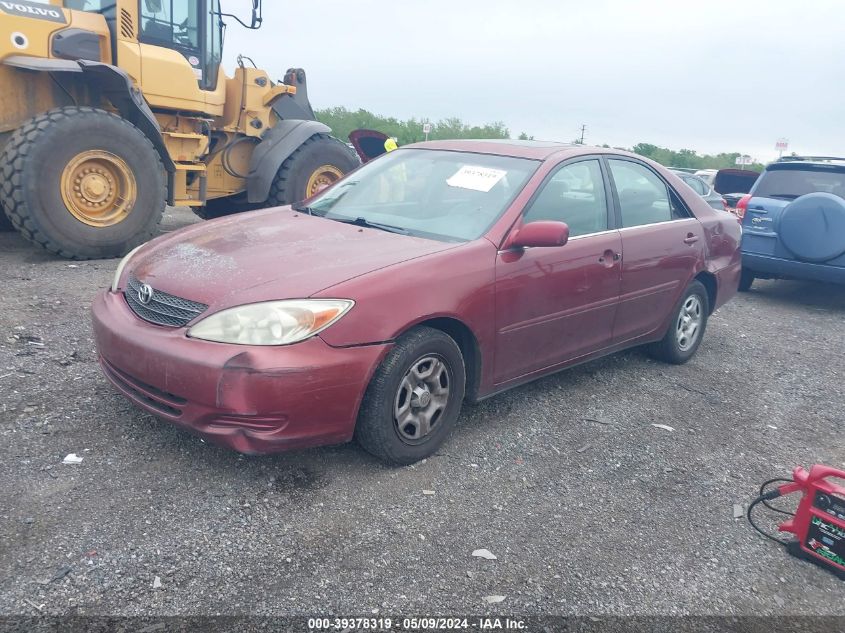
734 183
368 143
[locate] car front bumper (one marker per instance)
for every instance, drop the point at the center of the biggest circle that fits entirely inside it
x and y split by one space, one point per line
249 398
763 265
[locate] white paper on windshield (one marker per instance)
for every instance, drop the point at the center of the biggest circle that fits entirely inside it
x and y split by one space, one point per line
476 178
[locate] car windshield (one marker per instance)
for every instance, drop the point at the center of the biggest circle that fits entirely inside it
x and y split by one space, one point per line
444 195
790 183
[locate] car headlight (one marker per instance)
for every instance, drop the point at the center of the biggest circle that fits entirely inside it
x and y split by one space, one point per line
271 323
115 284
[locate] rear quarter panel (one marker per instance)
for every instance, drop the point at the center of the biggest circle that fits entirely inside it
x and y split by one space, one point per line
722 240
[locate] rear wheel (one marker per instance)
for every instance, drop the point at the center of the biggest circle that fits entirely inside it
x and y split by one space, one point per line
319 162
82 183
414 398
746 278
687 328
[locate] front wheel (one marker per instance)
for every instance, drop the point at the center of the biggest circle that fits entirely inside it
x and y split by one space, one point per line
414 398
687 328
82 183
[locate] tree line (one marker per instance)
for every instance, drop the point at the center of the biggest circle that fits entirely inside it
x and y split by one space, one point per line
343 121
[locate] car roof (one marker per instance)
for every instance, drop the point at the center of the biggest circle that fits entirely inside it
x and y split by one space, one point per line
536 150
810 160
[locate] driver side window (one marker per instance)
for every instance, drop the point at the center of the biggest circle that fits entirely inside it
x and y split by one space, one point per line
171 23
575 195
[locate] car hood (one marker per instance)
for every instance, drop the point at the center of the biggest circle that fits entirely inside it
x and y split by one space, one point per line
268 255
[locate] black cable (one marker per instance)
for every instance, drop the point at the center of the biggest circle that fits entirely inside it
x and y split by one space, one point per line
754 525
766 503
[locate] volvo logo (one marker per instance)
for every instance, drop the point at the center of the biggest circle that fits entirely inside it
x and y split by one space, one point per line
145 294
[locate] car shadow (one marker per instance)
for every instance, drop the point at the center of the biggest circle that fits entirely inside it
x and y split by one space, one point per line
810 294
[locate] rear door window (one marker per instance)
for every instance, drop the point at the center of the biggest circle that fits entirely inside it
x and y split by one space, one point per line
643 196
790 182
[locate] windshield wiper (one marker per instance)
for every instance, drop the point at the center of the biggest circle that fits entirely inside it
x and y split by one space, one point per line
372 225
305 209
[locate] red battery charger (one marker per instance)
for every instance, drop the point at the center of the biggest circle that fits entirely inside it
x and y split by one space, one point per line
819 521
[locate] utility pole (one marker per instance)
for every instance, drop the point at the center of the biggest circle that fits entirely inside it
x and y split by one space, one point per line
583 130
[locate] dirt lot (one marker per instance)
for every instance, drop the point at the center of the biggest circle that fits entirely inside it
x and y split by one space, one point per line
589 507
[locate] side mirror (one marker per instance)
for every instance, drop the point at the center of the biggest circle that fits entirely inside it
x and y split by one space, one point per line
544 233
153 6
256 14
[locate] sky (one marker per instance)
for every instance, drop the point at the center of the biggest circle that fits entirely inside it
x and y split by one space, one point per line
711 75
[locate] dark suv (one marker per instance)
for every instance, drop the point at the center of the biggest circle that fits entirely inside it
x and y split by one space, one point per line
794 222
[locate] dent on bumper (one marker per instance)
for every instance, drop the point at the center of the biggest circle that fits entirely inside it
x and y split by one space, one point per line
250 399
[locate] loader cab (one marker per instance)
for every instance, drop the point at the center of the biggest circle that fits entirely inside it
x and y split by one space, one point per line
194 28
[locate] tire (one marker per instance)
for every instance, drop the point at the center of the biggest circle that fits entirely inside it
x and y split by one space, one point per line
36 183
378 430
746 278
672 349
812 227
222 207
291 183
5 223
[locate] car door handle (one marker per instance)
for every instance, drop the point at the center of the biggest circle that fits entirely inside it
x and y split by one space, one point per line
609 258
690 239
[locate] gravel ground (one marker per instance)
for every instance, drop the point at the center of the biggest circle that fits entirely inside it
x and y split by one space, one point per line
589 508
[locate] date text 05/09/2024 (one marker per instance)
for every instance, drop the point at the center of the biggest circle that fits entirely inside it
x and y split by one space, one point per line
416 624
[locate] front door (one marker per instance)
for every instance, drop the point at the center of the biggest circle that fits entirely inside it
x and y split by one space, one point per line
661 243
557 304
180 44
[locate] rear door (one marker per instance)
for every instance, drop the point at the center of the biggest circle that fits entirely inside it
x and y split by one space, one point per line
661 244
557 304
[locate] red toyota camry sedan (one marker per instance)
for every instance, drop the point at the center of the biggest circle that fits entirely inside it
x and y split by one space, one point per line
438 273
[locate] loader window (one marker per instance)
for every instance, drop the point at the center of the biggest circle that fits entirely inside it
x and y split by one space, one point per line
98 6
214 44
190 27
171 23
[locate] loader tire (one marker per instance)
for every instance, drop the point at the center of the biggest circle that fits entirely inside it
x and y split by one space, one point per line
316 164
82 183
5 222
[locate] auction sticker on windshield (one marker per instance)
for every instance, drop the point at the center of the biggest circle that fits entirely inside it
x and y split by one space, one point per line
476 178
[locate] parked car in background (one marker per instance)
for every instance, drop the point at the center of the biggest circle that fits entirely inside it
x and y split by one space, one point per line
732 184
700 186
368 144
439 272
794 222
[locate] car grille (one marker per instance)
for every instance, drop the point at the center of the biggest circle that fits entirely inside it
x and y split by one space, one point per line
162 309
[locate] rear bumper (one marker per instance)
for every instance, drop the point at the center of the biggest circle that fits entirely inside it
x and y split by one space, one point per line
766 266
727 282
250 399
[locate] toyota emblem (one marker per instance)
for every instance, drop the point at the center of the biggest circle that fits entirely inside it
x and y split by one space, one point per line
145 294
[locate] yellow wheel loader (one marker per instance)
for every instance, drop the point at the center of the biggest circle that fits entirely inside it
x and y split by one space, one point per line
110 109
